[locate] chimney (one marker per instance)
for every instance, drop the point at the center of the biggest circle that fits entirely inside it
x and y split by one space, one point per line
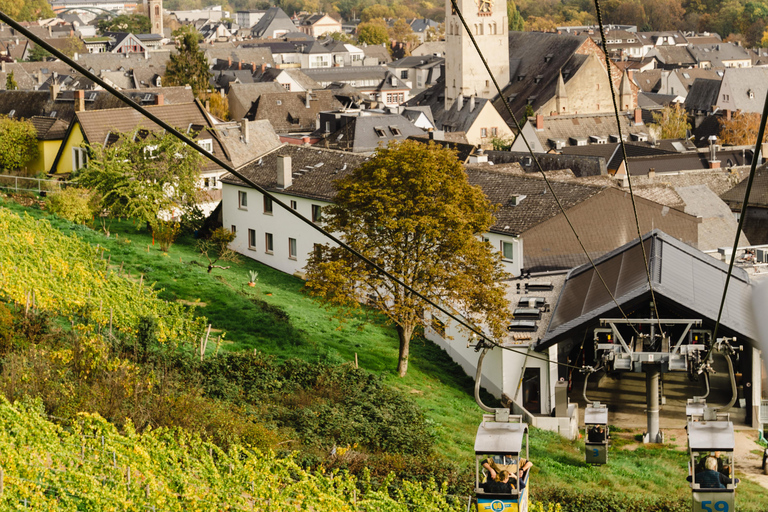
714 164
40 77
727 115
478 157
306 100
208 106
284 172
472 103
71 32
229 62
651 173
263 68
146 54
638 116
460 102
393 80
436 135
244 131
54 91
539 122
50 32
239 65
305 140
159 99
80 101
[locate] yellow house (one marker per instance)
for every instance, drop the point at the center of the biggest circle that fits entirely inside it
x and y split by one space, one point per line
50 135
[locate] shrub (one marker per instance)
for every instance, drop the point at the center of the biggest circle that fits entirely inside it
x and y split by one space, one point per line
78 205
166 232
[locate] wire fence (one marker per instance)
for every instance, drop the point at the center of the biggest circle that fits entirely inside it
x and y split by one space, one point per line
27 184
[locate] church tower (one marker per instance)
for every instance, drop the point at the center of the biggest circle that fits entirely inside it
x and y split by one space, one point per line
155 8
464 71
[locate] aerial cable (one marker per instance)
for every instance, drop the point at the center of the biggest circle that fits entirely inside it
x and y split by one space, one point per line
213 158
536 160
626 165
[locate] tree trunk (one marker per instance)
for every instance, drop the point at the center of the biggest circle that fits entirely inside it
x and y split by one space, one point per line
404 333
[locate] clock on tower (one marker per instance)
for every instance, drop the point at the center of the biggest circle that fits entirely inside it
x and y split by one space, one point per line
484 7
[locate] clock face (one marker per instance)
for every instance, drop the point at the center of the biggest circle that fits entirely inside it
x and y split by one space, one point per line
484 6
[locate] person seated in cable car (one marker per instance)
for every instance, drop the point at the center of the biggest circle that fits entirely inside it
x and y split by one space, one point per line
723 465
596 434
710 477
504 483
497 463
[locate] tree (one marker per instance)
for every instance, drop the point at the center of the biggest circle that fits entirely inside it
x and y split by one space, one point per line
516 22
373 32
672 122
133 23
18 143
189 65
411 210
10 82
145 177
375 12
341 37
38 54
741 129
216 247
27 10
436 33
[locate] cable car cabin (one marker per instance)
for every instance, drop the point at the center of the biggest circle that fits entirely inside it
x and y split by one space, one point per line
503 443
710 468
596 425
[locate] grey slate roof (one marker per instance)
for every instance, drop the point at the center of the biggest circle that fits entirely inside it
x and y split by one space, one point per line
684 280
287 111
364 134
314 170
758 195
107 61
738 83
718 226
502 183
538 54
274 19
702 95
377 52
677 56
257 55
718 53
261 139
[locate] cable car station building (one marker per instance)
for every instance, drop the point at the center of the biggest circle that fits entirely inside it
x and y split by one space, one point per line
687 287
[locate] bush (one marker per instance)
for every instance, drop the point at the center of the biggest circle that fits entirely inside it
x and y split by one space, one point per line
78 205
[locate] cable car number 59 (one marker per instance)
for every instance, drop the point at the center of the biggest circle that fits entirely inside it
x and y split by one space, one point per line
720 506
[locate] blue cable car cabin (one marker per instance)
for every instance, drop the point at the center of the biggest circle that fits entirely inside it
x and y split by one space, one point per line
503 441
710 468
596 426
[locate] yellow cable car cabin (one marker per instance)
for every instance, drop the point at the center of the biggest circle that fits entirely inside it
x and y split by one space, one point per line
500 444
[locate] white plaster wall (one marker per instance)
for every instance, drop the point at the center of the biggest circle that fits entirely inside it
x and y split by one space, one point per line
514 266
280 223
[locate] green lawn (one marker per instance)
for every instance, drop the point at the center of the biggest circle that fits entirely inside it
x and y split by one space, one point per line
437 384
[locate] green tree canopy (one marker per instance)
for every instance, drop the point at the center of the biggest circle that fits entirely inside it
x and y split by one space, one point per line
10 82
411 210
516 22
38 54
27 10
188 66
18 143
373 32
133 23
142 175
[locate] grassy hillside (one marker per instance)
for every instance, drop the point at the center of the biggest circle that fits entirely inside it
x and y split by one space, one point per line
278 319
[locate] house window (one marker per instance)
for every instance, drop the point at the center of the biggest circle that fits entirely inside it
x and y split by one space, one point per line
395 131
380 132
508 251
79 158
252 239
268 243
404 74
207 182
317 250
438 327
206 144
292 252
494 132
242 200
483 133
294 206
287 87
316 213
268 205
233 228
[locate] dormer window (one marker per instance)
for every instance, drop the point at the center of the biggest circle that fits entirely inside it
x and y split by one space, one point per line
548 57
520 78
380 132
206 144
751 94
538 79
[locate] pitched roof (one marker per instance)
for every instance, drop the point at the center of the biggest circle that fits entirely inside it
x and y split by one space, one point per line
274 19
503 183
684 279
314 170
758 195
673 55
703 95
535 61
288 112
106 61
261 139
564 127
747 88
718 225
649 81
257 55
377 52
718 53
49 128
364 134
96 125
242 96
688 76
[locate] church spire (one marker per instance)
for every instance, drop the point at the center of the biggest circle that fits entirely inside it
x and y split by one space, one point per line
561 95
